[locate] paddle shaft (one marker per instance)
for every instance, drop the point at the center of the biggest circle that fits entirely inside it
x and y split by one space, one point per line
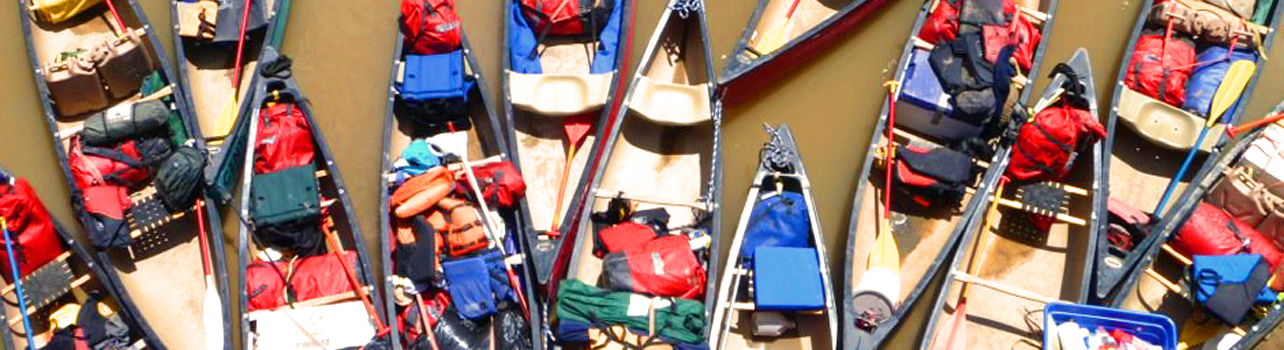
111 6
561 191
1254 124
487 226
983 242
213 332
352 278
17 283
240 49
423 315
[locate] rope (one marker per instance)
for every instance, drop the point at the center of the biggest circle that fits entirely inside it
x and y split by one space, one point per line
774 154
685 8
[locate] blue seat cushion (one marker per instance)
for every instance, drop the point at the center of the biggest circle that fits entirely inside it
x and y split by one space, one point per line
787 279
434 77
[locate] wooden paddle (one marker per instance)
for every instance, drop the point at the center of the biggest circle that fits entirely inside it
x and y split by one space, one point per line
227 117
213 303
17 282
1227 94
777 36
953 334
333 240
885 254
576 127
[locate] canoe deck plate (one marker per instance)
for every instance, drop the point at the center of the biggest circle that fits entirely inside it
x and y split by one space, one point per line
48 283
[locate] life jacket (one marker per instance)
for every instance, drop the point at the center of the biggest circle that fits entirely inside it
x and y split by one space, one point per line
1211 231
1049 145
269 284
430 26
663 267
567 17
622 236
942 24
462 228
30 227
422 192
501 184
284 139
1165 81
1025 34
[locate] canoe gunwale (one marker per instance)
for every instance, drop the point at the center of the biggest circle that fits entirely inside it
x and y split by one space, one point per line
346 225
1129 273
386 160
113 279
854 338
712 188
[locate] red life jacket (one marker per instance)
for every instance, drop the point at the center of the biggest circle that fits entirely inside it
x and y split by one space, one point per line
1165 81
1026 37
430 26
284 139
567 17
1048 146
30 226
501 184
1211 231
309 278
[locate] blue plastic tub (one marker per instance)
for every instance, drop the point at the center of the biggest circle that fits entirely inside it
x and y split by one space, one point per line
1153 328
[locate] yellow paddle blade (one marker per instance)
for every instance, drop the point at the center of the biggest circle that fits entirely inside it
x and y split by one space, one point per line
885 254
1237 78
775 38
226 119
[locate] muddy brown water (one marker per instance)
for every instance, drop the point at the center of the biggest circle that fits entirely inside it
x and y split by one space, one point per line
342 51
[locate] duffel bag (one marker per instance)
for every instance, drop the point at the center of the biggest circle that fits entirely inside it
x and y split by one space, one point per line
270 285
285 208
459 223
1208 75
501 184
126 165
677 319
74 86
1209 23
942 24
421 193
662 267
622 236
781 220
1048 146
935 172
179 179
29 225
430 26
1210 231
567 17
1164 81
125 123
57 11
284 139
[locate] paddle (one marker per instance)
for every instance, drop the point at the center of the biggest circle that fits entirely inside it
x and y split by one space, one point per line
576 127
461 148
17 283
1255 124
423 316
380 329
953 334
213 303
1227 94
777 36
885 254
227 117
115 14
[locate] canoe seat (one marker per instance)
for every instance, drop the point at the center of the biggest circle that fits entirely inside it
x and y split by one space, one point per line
671 104
559 95
1163 124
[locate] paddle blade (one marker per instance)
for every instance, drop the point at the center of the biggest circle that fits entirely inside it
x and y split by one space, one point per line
885 254
213 316
1228 91
577 126
226 118
774 39
953 334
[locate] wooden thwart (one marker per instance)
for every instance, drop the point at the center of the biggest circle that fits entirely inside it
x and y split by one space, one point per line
605 193
1000 287
79 281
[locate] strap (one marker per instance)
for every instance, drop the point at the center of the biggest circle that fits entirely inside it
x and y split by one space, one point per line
1025 153
1207 275
1230 224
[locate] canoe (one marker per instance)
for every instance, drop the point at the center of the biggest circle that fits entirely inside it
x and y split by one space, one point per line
339 217
1013 268
1161 267
780 172
486 143
87 278
926 236
782 34
662 151
169 252
206 70
1134 176
536 120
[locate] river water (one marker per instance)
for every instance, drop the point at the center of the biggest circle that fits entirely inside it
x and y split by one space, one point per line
342 52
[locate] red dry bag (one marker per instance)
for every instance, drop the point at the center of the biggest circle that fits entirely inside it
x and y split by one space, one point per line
308 278
430 26
501 184
622 236
1023 34
663 267
567 17
36 242
1211 231
1165 81
284 139
943 24
1048 146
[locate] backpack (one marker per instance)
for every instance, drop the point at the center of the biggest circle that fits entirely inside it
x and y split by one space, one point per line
501 184
180 179
1208 74
1164 81
567 17
1211 231
1049 145
663 267
1027 38
430 26
942 24
270 285
285 208
30 227
284 139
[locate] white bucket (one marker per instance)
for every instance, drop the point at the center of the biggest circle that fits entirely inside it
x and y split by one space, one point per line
883 282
